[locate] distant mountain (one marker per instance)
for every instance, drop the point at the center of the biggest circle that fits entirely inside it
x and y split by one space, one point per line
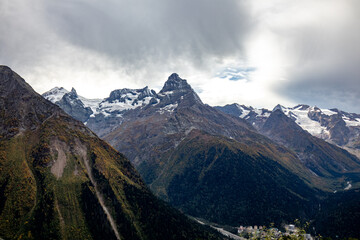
333 125
323 159
58 180
100 115
54 95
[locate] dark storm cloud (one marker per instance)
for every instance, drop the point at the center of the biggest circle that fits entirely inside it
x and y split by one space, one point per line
135 32
327 62
23 35
332 89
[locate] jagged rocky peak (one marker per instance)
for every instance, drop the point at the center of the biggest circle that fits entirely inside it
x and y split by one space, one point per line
128 94
334 110
54 95
237 110
249 108
177 90
56 90
72 94
73 106
174 83
279 107
315 109
301 107
240 107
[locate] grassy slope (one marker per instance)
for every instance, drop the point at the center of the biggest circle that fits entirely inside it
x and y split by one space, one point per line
36 205
18 186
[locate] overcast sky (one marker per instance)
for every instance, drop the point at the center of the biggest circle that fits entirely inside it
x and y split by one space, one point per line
252 52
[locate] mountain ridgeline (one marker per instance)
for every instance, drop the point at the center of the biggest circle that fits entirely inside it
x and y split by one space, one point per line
58 180
332 125
213 164
324 159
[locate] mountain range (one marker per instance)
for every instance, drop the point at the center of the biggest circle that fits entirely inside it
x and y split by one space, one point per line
332 125
58 180
232 164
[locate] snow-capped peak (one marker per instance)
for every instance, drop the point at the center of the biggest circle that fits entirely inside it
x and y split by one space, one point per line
313 119
126 94
55 94
124 99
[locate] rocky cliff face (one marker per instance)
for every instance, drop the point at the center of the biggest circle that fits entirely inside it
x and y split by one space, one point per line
73 106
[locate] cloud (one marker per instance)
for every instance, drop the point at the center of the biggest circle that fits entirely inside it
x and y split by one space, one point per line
297 51
320 53
137 32
138 42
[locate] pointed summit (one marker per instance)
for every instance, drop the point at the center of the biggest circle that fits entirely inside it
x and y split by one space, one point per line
72 105
72 93
278 107
174 82
174 76
177 90
55 94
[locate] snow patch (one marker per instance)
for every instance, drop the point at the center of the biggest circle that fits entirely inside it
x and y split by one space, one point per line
352 123
168 108
328 112
244 113
91 103
54 95
302 119
348 186
313 173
